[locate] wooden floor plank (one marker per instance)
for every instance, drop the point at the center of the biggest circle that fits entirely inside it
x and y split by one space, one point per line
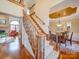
13 51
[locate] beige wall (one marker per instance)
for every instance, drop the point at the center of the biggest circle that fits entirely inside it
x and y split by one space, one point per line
42 10
75 29
75 25
52 27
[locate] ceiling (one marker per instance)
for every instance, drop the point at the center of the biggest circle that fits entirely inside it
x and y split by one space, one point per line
64 4
67 18
64 12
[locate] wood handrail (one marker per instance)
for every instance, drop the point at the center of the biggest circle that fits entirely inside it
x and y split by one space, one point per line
42 31
32 13
36 28
47 35
37 17
40 19
31 6
35 22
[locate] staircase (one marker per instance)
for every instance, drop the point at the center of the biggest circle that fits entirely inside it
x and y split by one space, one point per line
38 38
35 36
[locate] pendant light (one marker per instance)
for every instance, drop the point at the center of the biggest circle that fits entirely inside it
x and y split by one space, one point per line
59 22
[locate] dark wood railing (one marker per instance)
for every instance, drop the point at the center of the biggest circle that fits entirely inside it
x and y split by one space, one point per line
42 31
32 6
38 18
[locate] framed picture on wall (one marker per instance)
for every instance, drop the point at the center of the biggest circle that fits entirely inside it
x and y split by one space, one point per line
2 21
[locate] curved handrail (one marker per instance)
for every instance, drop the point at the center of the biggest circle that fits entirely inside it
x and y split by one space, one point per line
38 18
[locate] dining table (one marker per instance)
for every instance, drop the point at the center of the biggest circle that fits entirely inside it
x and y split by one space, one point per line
61 38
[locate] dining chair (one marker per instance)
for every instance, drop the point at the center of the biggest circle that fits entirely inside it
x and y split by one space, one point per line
52 36
62 38
70 37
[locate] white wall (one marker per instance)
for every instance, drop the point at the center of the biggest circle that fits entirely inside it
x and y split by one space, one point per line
10 8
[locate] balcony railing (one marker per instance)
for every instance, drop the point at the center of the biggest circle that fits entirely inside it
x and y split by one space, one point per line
18 2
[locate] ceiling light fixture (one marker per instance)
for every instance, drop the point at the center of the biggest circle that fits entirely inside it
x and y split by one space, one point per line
59 25
59 22
64 13
72 6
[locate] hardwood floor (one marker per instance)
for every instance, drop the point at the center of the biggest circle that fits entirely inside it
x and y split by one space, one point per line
13 51
68 52
25 54
68 55
72 53
10 50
